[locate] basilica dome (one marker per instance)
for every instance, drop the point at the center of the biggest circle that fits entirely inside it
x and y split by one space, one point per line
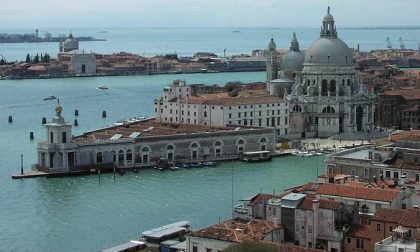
329 51
292 61
70 44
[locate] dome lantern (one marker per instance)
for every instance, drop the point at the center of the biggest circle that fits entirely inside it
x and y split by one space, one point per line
328 27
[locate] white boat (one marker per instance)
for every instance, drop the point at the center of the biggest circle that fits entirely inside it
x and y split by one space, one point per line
103 87
309 154
49 98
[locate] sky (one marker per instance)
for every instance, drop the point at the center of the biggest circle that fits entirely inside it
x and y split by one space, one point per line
204 13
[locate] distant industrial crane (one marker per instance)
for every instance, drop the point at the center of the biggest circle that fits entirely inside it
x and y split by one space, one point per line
402 46
4 59
388 43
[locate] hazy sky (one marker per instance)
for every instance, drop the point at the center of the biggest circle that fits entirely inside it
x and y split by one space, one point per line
205 13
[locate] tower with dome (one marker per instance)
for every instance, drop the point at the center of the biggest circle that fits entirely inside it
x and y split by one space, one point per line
70 44
327 96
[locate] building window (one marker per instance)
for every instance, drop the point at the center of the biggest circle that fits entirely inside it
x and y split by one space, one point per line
417 177
377 206
378 227
205 113
239 114
64 137
51 137
353 172
129 155
99 157
195 248
390 229
403 206
208 250
387 174
348 240
230 115
396 175
359 243
366 172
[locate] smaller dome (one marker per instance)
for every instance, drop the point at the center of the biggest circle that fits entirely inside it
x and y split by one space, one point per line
272 45
328 17
293 61
70 44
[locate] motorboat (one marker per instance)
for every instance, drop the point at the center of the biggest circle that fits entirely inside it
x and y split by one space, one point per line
174 168
103 87
49 98
210 163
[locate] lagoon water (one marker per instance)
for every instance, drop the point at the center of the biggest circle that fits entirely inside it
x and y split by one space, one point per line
81 214
186 42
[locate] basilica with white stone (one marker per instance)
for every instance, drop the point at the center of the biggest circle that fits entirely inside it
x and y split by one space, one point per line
324 93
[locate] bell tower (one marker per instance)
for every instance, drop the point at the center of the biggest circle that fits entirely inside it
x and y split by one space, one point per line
53 153
271 65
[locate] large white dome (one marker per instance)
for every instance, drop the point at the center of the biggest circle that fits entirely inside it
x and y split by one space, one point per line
292 61
329 51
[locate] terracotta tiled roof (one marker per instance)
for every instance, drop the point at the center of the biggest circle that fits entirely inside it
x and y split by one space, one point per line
405 218
329 204
306 203
359 231
149 128
236 231
411 94
408 135
244 97
357 192
262 197
311 186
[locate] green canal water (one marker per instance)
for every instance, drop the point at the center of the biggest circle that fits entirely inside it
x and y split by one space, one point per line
83 214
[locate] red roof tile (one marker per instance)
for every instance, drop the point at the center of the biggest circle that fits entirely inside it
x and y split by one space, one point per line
236 231
262 197
405 218
357 192
359 231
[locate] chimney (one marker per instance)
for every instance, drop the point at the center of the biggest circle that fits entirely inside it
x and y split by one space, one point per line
403 179
315 207
276 222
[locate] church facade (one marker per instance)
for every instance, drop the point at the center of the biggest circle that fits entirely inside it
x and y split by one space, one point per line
327 97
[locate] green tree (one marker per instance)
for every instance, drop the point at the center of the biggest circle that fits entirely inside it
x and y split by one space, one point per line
2 62
42 58
36 59
232 85
28 58
46 57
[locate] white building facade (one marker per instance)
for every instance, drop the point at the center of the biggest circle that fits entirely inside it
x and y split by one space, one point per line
248 108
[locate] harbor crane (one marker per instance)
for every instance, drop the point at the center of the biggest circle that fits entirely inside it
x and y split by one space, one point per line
402 46
3 58
388 43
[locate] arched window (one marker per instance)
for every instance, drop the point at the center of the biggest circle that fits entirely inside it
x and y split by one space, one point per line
343 81
328 110
348 81
121 157
324 87
114 156
194 145
99 157
170 152
145 149
297 108
308 81
332 86
129 155
145 154
217 143
218 149
240 143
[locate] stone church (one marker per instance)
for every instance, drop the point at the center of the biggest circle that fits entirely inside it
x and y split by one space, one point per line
324 93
